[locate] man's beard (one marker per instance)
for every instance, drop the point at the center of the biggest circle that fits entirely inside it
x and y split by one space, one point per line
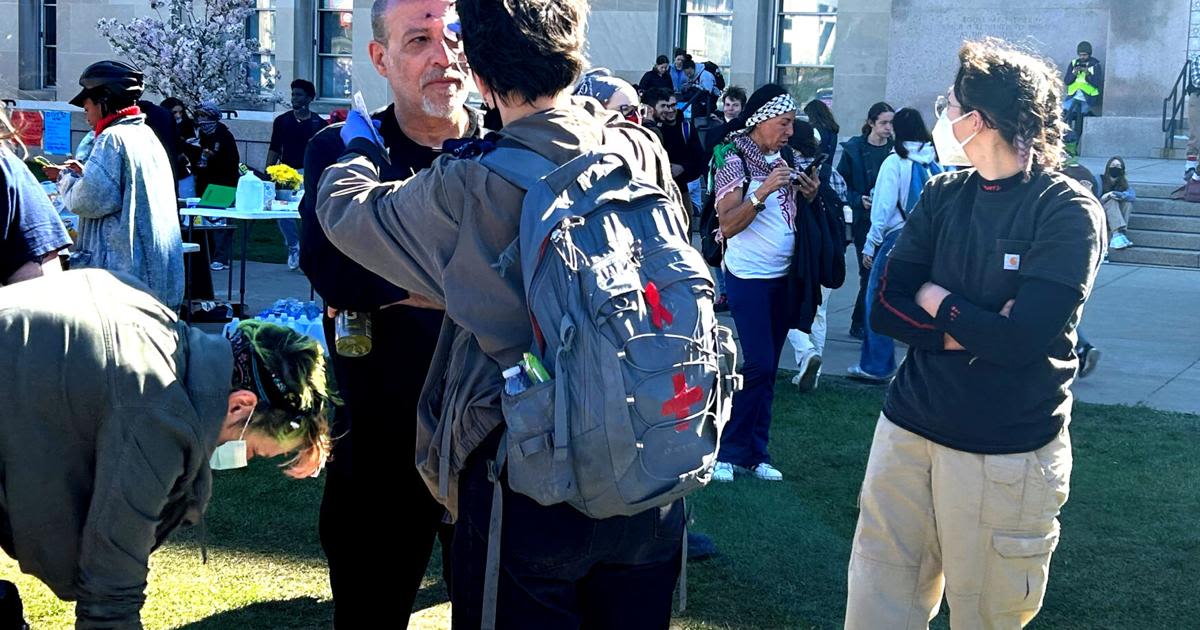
443 109
435 107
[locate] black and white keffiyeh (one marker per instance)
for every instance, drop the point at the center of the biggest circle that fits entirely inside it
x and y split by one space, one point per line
777 106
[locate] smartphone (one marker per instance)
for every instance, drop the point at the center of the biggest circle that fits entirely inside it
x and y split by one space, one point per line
813 169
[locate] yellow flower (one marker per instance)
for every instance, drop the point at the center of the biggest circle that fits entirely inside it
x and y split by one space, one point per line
285 176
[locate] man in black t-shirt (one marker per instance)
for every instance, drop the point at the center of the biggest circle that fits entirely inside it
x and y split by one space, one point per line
289 138
381 389
680 138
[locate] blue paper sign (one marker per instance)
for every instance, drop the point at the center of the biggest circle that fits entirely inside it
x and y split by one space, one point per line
57 138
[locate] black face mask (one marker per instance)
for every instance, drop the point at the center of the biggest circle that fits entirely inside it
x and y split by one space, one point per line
1115 172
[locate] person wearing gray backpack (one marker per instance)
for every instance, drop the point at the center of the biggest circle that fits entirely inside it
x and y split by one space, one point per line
559 252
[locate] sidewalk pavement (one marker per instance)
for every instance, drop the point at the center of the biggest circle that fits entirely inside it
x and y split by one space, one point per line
1143 320
1142 170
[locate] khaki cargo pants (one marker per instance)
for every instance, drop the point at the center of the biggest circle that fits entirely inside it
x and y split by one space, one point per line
979 527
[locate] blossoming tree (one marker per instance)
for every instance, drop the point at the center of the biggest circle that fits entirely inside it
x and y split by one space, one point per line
195 50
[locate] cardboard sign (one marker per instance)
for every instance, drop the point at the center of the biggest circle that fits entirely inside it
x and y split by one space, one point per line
30 127
56 138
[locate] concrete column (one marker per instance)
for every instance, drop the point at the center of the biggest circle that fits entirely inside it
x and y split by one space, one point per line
860 60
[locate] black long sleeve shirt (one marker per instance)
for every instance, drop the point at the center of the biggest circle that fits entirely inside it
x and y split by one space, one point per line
1038 243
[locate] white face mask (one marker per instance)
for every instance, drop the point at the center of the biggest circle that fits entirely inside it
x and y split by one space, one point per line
950 151
231 454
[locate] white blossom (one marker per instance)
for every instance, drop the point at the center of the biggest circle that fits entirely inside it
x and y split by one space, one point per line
195 50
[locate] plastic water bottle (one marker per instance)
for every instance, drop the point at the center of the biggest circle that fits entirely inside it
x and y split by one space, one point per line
515 380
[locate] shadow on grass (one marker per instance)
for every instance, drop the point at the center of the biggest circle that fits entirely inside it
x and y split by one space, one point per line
300 613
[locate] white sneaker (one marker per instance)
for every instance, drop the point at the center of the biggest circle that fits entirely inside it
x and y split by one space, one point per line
218 266
723 472
855 372
1119 241
294 259
810 372
767 472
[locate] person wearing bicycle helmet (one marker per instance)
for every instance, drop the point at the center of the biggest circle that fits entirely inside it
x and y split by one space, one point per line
125 194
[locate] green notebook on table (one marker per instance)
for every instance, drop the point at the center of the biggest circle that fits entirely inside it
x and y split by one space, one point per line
219 197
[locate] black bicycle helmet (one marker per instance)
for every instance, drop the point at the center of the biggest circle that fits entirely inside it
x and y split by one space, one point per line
109 79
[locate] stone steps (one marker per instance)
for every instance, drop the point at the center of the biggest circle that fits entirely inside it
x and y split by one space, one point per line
1165 231
1164 222
1165 240
1156 256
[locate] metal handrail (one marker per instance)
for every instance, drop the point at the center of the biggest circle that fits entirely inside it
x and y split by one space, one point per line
1173 105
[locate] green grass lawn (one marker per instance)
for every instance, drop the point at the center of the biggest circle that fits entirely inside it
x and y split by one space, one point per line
1128 556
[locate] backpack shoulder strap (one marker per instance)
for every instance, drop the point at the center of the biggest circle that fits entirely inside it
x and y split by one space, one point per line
518 166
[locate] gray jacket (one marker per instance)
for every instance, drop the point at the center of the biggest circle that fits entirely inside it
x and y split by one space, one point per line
440 234
128 214
112 409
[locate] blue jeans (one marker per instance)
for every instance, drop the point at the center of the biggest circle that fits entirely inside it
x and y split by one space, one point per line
759 309
291 236
878 357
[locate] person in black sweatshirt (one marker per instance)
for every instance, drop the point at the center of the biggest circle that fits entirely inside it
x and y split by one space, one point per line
680 138
971 458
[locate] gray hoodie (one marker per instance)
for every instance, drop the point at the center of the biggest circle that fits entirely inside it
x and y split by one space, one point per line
112 409
440 234
128 214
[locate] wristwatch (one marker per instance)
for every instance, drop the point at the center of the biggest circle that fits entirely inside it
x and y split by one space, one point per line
759 206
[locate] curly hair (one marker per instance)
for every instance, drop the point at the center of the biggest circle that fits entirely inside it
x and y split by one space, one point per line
294 367
1018 94
525 49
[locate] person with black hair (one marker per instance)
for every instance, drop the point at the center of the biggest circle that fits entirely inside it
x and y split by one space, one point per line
861 158
185 132
289 138
125 193
215 160
657 77
1117 197
678 76
902 177
1084 83
971 459
821 118
680 138
757 205
440 233
700 89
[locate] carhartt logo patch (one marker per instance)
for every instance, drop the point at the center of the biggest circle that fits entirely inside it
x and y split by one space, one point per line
1012 262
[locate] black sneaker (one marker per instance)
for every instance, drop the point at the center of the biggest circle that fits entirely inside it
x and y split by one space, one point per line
722 304
12 613
857 332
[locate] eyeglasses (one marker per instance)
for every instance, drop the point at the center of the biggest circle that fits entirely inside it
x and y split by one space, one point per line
941 106
627 110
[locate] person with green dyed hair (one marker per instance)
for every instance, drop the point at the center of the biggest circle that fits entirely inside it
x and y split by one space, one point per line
113 411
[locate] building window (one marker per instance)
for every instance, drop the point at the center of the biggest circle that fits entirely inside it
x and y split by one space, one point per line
49 43
706 30
334 62
806 31
260 26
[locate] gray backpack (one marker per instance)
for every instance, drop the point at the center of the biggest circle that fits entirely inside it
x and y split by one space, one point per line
622 310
